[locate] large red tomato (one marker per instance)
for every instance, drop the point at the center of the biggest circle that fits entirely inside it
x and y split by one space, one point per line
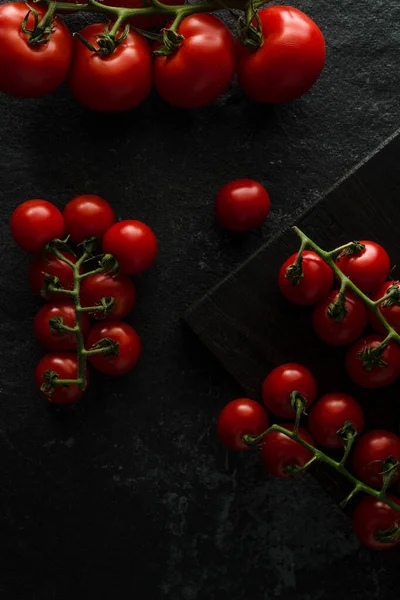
102 285
370 374
376 524
238 418
391 312
53 266
129 347
371 450
133 244
280 452
56 340
87 216
330 414
314 284
34 223
281 382
367 268
65 365
344 330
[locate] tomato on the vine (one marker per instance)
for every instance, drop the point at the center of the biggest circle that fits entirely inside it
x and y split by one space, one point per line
133 244
34 223
309 287
102 285
201 68
50 339
336 331
370 375
367 268
371 450
129 347
278 451
144 21
65 365
373 521
242 205
238 418
329 415
391 312
53 266
289 60
281 382
87 216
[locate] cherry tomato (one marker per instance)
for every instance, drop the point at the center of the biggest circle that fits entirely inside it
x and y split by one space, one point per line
201 68
128 351
65 364
53 340
378 375
372 517
391 313
346 331
329 415
371 450
111 83
278 451
281 382
315 284
51 265
242 205
34 223
239 417
87 216
31 71
144 22
133 244
368 268
101 285
289 61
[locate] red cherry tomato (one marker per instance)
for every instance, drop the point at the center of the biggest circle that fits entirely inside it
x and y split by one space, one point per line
371 450
144 22
128 351
34 223
378 375
371 518
111 83
345 331
289 61
315 284
242 205
278 451
101 285
87 216
51 265
238 418
391 313
279 385
31 71
368 268
133 244
65 364
201 68
329 415
54 340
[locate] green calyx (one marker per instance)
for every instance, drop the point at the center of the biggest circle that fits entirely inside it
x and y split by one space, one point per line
388 536
353 248
107 42
394 295
337 310
294 272
171 40
372 357
41 31
249 31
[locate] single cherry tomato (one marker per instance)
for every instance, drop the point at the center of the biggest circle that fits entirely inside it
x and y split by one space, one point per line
368 268
65 364
52 340
281 382
53 266
278 451
201 68
313 286
133 244
373 520
373 375
31 70
369 454
34 223
238 418
289 60
87 216
391 312
329 415
103 285
111 82
242 205
337 331
129 347
144 21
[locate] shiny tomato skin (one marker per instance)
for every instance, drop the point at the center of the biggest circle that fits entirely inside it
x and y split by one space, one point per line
103 285
129 347
242 205
238 418
133 244
65 364
315 284
114 83
145 22
329 414
391 313
346 331
34 223
203 66
57 341
367 269
87 216
372 448
279 451
281 382
372 515
51 265
289 61
377 376
31 71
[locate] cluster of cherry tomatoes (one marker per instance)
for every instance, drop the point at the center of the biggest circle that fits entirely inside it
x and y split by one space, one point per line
288 61
62 278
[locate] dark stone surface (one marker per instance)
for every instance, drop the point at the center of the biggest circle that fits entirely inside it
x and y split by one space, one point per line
131 489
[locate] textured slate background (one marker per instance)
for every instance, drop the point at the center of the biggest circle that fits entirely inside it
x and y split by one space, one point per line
131 489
